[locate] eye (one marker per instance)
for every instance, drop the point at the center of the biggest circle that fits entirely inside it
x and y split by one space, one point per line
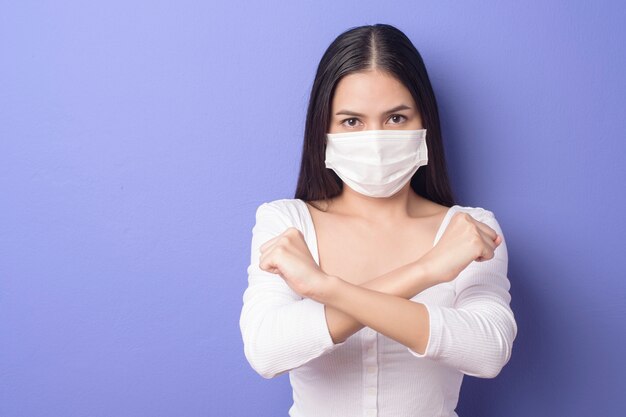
349 124
396 116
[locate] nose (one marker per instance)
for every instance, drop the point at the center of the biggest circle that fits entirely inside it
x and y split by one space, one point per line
376 126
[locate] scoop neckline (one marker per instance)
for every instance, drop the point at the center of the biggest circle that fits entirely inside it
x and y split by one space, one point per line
311 225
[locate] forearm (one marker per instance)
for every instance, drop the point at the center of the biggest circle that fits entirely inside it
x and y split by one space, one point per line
405 321
405 282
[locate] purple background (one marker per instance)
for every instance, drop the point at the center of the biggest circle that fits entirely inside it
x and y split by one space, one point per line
138 138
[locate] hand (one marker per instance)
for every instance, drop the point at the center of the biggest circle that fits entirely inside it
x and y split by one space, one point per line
288 256
464 240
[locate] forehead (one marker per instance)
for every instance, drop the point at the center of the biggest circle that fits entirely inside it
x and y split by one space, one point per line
369 90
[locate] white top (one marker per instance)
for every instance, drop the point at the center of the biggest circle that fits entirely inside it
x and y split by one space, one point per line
472 330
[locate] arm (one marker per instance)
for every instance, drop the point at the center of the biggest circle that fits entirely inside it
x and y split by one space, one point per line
406 282
475 336
280 329
397 318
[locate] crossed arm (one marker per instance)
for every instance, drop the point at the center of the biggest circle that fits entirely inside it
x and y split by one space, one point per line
349 307
282 331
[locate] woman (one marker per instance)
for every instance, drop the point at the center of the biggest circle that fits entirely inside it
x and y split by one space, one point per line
371 287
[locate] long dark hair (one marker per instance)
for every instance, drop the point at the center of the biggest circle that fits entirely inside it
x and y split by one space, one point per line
360 48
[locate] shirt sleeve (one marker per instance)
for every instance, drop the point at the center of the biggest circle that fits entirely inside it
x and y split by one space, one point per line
280 329
476 335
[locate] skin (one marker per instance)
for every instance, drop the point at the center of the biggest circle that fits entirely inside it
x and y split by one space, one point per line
377 253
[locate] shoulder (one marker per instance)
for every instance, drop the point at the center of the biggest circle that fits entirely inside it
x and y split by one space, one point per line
285 211
481 214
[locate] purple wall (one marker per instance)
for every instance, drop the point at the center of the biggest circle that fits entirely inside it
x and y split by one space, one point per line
138 138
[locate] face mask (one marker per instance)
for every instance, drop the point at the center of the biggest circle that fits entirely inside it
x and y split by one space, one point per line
376 163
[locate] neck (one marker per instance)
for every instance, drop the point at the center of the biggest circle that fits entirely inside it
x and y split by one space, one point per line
379 210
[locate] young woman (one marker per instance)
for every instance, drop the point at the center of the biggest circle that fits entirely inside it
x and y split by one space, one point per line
372 288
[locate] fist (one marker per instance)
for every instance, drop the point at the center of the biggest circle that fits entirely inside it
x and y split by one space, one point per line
464 240
288 256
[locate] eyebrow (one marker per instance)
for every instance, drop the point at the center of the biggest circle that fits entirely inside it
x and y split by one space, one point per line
351 113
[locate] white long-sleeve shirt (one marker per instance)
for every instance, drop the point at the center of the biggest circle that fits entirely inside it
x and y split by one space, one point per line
472 329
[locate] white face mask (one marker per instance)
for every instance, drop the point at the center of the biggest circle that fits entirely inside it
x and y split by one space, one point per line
376 163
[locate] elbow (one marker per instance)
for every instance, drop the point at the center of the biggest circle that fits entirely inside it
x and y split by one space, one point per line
501 352
264 369
257 354
490 372
491 365
500 360
263 359
261 364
